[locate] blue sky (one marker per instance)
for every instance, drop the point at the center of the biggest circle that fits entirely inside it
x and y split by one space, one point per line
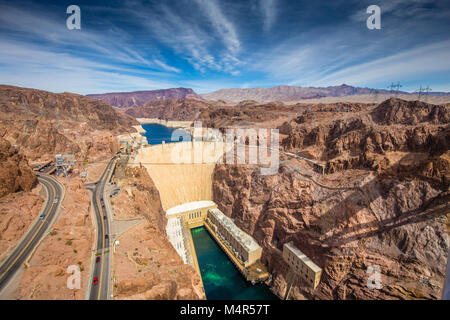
211 44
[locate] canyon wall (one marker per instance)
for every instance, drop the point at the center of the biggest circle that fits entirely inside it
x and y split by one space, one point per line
383 202
43 124
146 266
15 173
136 98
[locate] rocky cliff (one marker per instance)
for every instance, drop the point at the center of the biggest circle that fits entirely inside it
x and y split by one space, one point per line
213 114
43 124
15 173
146 265
382 203
170 109
136 98
288 93
20 202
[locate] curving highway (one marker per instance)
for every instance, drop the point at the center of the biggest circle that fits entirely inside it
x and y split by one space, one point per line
99 290
29 242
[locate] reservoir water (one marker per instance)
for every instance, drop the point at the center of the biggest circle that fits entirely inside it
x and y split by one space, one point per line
221 279
157 133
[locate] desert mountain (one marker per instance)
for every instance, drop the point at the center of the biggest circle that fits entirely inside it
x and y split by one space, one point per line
43 124
289 93
170 109
383 200
136 98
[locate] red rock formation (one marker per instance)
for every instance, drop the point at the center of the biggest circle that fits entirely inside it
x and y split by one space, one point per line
130 99
384 202
43 124
169 109
288 93
15 173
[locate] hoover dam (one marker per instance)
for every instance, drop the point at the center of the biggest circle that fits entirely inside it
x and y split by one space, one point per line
182 172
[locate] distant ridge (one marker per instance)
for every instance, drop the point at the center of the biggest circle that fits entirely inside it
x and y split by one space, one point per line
136 98
294 93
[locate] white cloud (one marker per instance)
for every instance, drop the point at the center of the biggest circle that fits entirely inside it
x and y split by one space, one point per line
35 67
269 12
36 24
410 63
191 40
221 24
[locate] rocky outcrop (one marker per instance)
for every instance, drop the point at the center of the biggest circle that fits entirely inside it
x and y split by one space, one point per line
170 109
287 93
353 140
136 98
397 111
43 124
15 173
17 212
212 114
383 202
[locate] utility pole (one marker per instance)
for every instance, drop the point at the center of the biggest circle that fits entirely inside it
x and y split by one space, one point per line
393 86
420 92
427 90
397 86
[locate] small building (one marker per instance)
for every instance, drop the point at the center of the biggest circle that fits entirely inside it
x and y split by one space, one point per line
301 264
193 214
242 244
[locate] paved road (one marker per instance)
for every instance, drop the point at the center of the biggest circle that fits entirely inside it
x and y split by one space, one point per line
20 254
100 291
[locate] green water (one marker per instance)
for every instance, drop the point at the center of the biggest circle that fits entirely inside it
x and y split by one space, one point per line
221 279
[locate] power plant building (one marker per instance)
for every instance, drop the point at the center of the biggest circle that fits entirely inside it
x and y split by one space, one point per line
242 244
301 264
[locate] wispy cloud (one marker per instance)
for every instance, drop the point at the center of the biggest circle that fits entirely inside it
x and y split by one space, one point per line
37 24
60 72
407 64
269 11
221 24
190 39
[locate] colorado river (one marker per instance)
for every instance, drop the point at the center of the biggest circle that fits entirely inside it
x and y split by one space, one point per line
221 279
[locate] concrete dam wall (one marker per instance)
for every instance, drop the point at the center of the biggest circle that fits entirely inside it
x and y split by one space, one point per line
178 182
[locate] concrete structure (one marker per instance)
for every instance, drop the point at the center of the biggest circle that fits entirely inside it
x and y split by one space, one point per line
182 173
301 264
177 238
180 181
132 141
243 246
182 218
193 214
64 162
242 249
